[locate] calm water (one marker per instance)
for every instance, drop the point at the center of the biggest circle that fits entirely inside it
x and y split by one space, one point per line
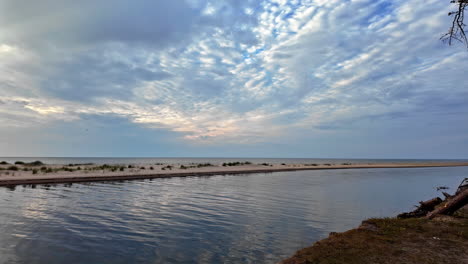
257 218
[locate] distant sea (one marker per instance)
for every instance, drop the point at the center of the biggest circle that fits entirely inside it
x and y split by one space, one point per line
110 160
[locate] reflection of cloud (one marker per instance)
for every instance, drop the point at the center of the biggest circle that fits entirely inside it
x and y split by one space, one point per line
231 71
36 208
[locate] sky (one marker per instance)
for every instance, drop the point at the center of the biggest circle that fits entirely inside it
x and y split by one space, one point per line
199 78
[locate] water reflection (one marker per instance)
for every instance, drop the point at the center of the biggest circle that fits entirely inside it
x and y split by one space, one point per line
258 218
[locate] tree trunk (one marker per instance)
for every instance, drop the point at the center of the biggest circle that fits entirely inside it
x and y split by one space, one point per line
457 202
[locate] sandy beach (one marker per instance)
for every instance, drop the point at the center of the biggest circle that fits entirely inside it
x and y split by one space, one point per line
23 174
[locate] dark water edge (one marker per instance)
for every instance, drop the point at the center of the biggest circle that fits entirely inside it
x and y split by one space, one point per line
257 218
108 160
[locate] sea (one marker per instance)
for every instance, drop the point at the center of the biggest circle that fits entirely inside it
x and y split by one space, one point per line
124 160
251 218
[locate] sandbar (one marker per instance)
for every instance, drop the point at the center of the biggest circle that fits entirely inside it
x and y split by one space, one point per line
74 173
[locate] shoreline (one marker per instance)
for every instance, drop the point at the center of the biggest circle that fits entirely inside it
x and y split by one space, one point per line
25 178
391 240
430 234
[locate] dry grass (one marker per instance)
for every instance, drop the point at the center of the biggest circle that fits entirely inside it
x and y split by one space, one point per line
391 240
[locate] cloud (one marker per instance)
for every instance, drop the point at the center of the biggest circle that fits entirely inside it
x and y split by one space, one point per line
221 72
89 76
53 22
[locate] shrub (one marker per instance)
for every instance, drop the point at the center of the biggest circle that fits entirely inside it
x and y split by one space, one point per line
4 163
49 170
105 166
19 163
142 168
79 164
205 165
35 163
151 168
182 167
122 168
43 168
13 168
237 163
67 169
34 171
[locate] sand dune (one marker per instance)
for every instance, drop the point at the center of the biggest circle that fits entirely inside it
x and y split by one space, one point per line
88 173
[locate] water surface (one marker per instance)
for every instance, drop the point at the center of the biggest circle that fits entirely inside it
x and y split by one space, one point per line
256 218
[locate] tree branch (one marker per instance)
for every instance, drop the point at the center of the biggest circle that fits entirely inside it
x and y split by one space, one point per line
457 30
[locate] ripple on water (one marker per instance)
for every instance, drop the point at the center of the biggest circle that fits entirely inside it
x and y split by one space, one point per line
259 218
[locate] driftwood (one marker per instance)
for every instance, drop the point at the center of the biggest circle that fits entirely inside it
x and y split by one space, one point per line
447 207
452 205
423 209
430 204
446 195
463 186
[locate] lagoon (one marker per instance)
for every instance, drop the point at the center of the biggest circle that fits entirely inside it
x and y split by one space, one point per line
255 218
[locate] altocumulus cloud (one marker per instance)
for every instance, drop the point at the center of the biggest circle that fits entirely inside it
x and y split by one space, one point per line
225 72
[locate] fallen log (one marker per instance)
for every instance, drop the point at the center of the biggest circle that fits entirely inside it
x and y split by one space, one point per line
463 186
447 195
429 205
423 209
452 205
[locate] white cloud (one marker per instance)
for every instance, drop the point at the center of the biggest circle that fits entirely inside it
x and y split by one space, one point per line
231 71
